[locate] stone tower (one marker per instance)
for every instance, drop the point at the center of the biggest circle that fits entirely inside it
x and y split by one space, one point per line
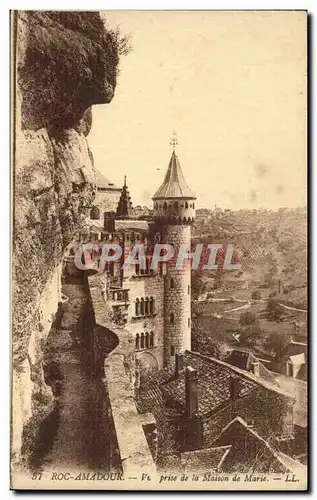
174 209
124 208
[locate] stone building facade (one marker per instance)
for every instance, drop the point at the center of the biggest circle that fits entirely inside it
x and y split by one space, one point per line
152 304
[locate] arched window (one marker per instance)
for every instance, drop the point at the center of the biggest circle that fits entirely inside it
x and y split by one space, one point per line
193 205
172 318
152 339
137 341
137 307
95 213
151 305
137 268
142 307
164 206
147 305
176 205
172 283
142 340
186 204
147 340
172 350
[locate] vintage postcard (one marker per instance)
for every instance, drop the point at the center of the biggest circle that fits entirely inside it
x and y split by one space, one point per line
159 250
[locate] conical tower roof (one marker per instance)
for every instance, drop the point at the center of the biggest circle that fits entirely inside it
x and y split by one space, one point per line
174 184
124 208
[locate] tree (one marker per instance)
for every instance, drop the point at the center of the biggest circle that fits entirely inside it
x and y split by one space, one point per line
256 295
274 310
275 343
251 335
247 318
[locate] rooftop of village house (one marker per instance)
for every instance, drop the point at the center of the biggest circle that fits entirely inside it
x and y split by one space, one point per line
214 382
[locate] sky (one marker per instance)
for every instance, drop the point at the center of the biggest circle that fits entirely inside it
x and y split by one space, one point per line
233 87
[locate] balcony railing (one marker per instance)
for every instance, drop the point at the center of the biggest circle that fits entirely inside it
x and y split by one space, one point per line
119 295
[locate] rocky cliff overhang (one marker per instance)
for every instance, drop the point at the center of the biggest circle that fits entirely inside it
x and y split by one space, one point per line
64 62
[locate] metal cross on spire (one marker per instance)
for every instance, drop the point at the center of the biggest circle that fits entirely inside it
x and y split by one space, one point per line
174 141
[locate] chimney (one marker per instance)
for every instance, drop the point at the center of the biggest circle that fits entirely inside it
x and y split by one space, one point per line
191 383
234 388
255 368
179 364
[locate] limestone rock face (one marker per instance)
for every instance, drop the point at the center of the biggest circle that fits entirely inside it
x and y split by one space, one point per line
64 62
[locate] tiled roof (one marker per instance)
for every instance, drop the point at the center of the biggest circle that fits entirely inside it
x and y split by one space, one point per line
92 224
207 459
174 184
214 382
260 454
103 183
138 225
150 396
198 461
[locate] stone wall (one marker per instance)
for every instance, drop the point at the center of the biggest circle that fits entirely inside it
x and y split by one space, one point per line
107 200
140 287
63 62
132 447
177 295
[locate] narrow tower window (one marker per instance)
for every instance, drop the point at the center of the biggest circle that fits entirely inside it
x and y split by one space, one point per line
137 307
147 340
151 305
142 307
147 305
188 322
152 339
137 341
172 283
188 289
164 206
186 204
176 205
172 351
142 340
172 318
